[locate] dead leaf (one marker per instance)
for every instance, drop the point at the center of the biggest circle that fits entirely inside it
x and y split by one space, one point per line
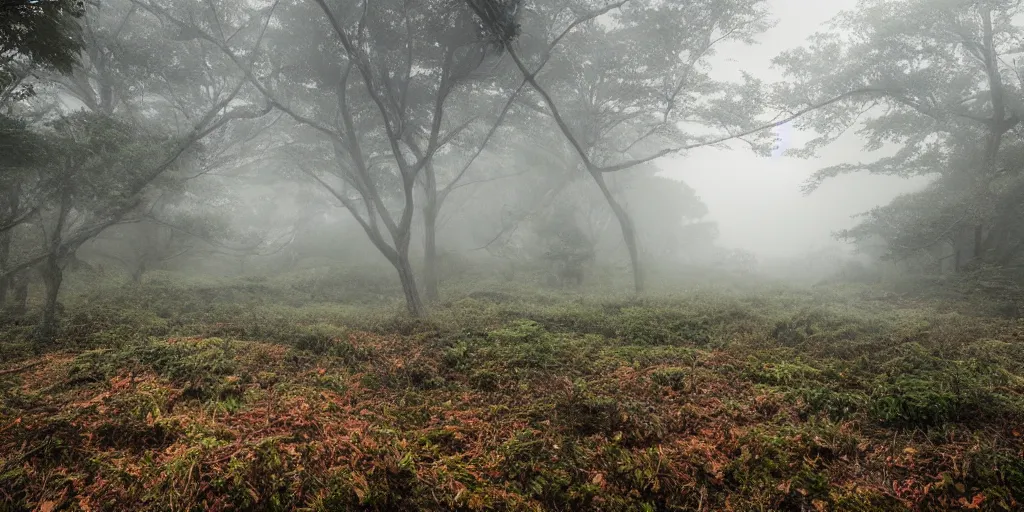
975 503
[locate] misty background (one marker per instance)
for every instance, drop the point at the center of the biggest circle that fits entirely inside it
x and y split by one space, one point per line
494 142
756 201
510 255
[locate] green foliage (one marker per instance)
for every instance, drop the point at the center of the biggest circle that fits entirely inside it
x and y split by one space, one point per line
650 326
949 115
33 36
587 413
102 161
675 378
821 326
834 404
514 405
519 331
783 373
199 365
921 389
527 463
23 147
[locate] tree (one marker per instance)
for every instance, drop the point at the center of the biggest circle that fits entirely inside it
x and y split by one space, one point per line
42 36
464 153
668 214
168 230
937 80
520 176
436 194
91 175
24 151
36 36
374 117
90 188
627 85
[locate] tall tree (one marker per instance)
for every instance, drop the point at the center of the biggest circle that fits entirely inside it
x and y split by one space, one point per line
938 80
625 86
21 189
365 84
133 117
91 176
34 38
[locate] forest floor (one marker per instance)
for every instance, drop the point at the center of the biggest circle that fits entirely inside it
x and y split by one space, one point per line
243 396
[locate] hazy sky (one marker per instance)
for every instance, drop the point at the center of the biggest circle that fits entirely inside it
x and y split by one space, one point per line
757 201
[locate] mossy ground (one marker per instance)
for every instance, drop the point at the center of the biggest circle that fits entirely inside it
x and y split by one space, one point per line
254 396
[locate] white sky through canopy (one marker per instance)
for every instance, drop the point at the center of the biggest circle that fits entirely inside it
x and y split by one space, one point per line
757 201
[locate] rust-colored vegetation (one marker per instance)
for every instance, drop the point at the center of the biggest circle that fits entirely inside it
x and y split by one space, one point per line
750 401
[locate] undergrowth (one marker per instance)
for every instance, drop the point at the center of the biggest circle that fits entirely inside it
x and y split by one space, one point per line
260 395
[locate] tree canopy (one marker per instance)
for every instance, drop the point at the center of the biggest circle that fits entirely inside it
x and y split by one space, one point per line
937 82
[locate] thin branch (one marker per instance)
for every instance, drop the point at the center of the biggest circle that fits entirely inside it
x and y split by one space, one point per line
726 138
515 98
480 149
17 221
485 180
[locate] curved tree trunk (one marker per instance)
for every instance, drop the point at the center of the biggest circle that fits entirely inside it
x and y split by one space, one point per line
628 231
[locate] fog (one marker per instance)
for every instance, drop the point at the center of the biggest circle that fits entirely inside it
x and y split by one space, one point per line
757 201
511 255
578 144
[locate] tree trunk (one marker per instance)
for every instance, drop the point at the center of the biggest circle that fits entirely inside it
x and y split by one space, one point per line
5 254
405 274
13 201
1003 242
137 272
996 239
430 277
20 285
52 275
398 256
628 232
430 211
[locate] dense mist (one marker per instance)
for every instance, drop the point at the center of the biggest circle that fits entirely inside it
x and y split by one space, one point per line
511 255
